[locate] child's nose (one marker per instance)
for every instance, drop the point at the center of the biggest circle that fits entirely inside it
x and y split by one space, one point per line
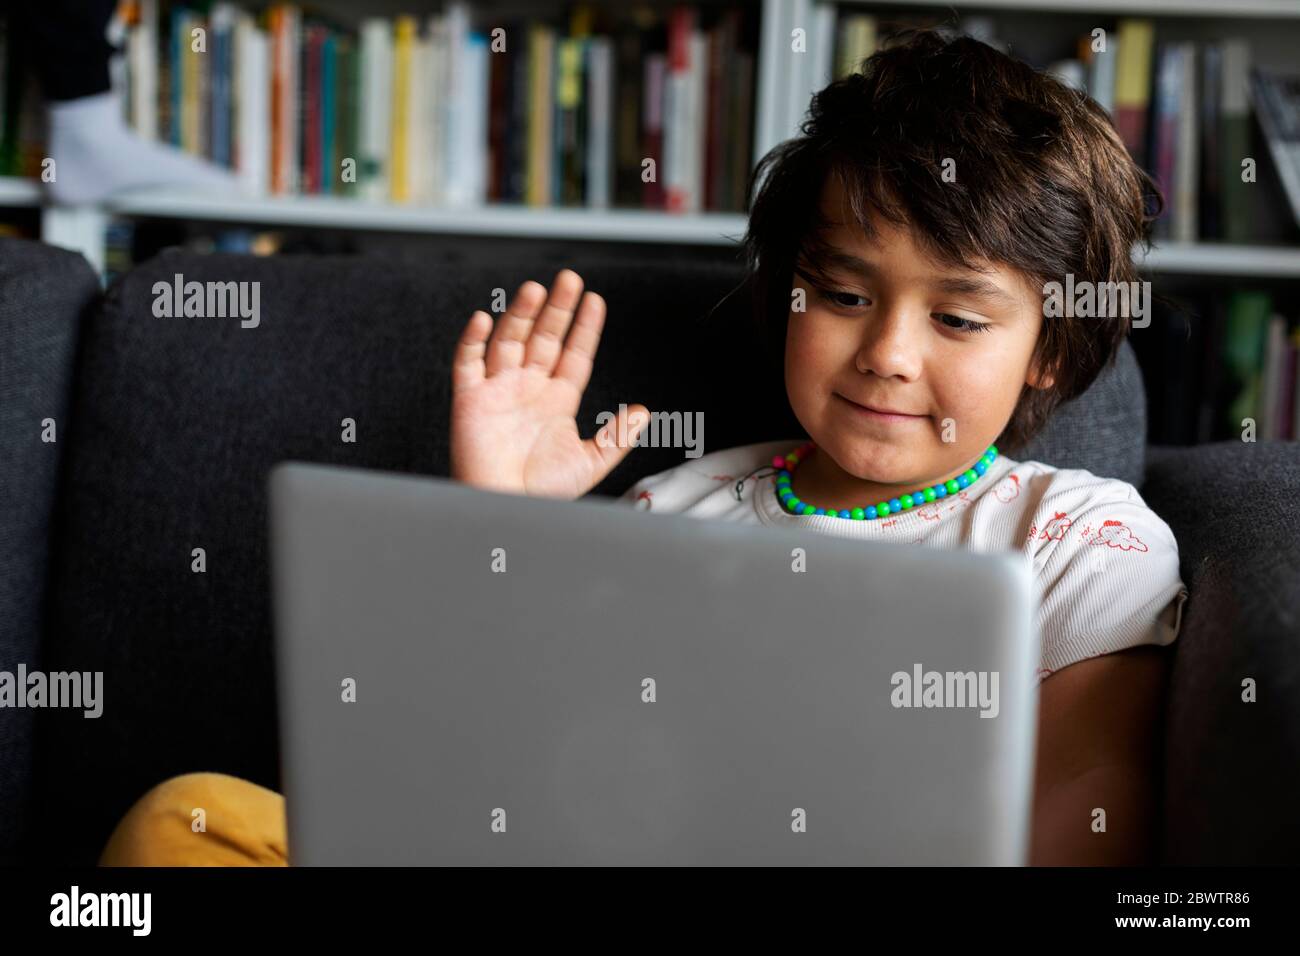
892 343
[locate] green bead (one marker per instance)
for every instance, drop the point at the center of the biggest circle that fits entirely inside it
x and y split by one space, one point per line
809 509
882 509
971 474
929 494
857 514
993 449
952 486
906 502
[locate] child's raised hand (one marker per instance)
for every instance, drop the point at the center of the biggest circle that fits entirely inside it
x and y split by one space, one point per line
514 398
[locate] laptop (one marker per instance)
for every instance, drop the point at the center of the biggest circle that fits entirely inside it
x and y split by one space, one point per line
474 678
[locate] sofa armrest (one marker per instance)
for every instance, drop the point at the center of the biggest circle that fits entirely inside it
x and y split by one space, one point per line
44 294
1232 768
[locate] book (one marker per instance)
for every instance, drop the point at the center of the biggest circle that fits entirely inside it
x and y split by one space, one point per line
1271 379
856 41
251 123
403 45
1243 355
1133 85
1234 140
375 127
652 131
600 123
541 120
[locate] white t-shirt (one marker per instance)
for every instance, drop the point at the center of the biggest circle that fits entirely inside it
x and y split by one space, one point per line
1105 565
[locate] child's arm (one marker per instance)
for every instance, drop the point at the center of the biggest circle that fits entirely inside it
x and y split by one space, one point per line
515 389
1099 733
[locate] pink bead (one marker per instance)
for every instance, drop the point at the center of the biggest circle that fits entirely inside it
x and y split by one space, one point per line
778 462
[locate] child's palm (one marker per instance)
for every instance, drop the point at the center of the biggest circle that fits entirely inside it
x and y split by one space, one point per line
514 397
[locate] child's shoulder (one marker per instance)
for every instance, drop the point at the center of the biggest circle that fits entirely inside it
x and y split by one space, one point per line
1073 508
1074 486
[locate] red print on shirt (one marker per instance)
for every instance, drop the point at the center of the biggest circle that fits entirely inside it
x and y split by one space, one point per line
1116 534
935 510
724 478
645 496
1008 489
1056 528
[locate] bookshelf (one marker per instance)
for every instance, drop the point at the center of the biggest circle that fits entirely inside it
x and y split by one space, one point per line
1222 300
783 85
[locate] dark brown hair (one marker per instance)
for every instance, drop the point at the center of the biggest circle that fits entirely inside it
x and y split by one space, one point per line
1044 186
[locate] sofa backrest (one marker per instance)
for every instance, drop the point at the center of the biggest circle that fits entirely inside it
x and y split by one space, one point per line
176 422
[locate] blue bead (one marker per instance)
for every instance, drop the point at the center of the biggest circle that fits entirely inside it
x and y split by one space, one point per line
820 511
895 504
940 491
980 467
871 513
845 514
962 481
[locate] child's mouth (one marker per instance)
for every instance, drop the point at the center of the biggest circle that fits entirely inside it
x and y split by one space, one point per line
874 415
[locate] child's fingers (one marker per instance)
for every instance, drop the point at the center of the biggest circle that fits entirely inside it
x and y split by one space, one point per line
547 340
506 349
467 364
605 448
580 350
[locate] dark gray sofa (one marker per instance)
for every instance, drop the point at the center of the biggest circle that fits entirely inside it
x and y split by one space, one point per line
167 428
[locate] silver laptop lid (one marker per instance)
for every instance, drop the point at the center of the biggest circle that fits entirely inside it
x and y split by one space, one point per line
473 678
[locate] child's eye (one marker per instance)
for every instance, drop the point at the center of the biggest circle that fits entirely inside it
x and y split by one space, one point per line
842 299
962 325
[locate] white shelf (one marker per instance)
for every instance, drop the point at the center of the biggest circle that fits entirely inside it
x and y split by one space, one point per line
1221 259
626 225
1209 9
623 225
17 191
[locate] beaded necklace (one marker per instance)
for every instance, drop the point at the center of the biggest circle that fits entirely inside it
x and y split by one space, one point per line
786 465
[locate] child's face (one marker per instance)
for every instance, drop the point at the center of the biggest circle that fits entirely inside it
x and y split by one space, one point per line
890 335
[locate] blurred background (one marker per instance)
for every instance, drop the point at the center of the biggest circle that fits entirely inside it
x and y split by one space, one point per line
418 130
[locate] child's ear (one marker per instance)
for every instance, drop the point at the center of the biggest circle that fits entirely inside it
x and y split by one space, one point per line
1040 379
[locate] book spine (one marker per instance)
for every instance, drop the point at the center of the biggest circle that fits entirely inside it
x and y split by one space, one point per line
1234 137
600 131
328 169
404 40
1133 85
1186 166
376 109
656 69
540 115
